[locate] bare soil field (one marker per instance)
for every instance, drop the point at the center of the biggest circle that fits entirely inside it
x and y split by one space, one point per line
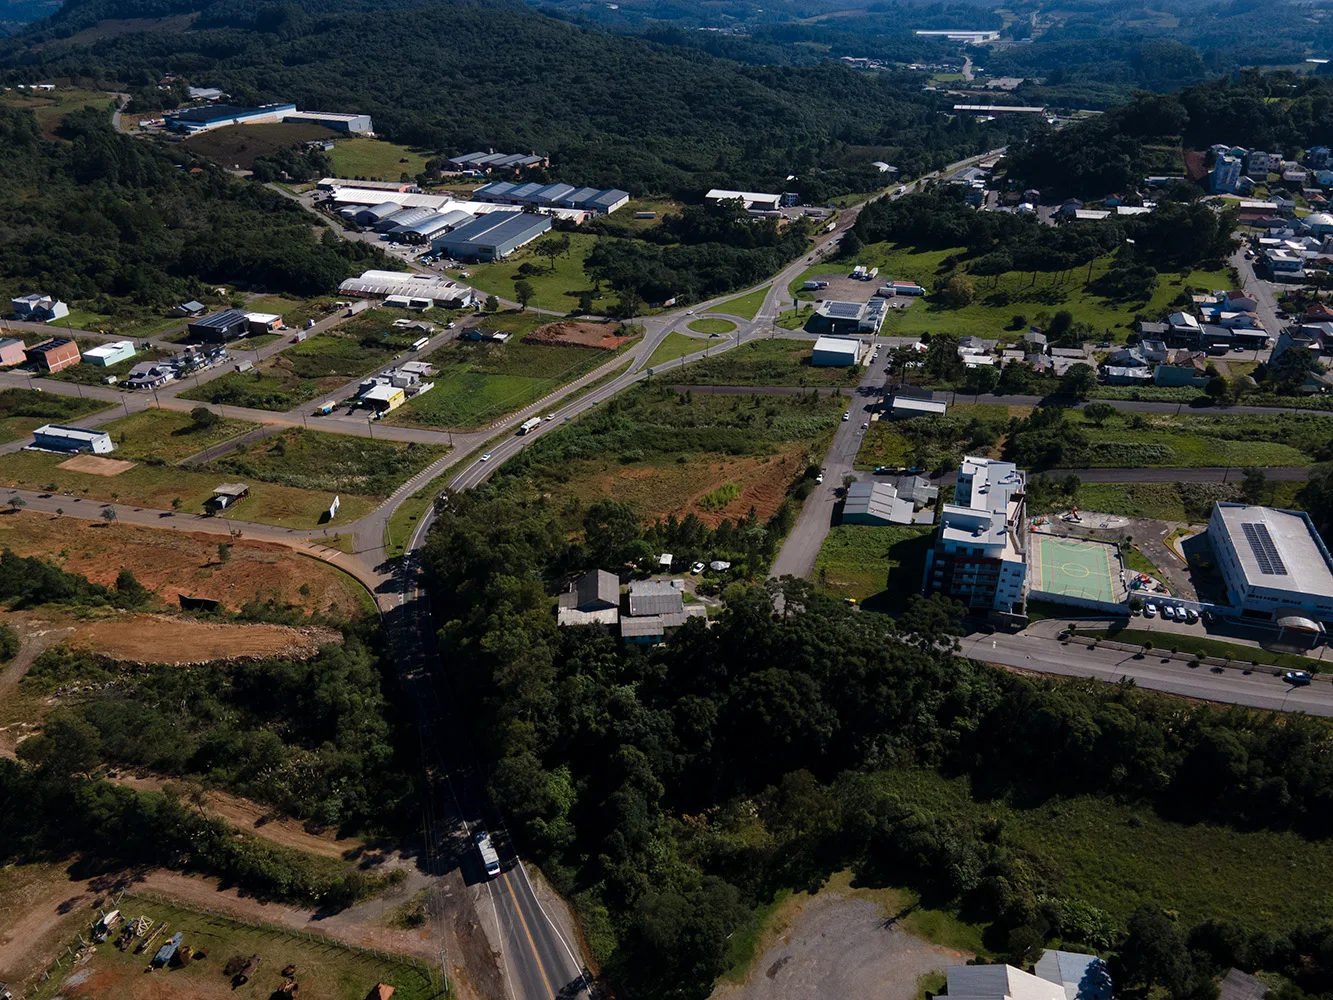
178 640
172 562
837 946
41 909
251 817
237 146
603 335
95 465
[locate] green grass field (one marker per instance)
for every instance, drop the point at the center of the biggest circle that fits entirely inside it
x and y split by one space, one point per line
556 290
1001 298
375 159
168 435
746 305
314 367
880 567
1173 501
168 487
51 107
324 968
1118 856
24 410
294 311
1129 440
765 362
676 345
477 383
663 452
330 463
712 325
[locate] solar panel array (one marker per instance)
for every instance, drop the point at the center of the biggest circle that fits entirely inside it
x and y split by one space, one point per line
1265 552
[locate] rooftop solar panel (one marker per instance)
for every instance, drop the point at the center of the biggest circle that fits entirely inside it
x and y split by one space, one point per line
1265 552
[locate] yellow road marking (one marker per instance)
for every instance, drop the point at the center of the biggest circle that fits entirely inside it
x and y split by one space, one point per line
531 943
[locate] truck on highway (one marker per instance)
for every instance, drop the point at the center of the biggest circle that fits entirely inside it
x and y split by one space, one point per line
530 424
490 860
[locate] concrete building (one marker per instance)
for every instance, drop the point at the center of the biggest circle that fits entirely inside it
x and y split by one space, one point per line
56 437
220 328
54 354
492 237
11 352
1273 561
109 354
980 551
384 397
258 323
753 200
998 982
836 351
837 317
37 308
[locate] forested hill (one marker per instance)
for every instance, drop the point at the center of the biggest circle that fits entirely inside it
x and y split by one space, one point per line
612 110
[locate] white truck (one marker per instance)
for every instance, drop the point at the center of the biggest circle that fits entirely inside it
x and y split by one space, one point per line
490 860
530 425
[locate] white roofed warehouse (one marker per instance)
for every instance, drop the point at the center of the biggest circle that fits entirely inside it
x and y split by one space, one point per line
1273 561
836 351
56 437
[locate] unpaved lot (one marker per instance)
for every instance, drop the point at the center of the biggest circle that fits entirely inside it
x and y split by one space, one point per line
173 639
603 335
93 465
178 562
838 948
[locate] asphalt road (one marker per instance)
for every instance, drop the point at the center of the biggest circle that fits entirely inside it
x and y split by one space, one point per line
1260 689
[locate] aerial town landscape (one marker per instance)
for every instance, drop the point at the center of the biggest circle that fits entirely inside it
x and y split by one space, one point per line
514 501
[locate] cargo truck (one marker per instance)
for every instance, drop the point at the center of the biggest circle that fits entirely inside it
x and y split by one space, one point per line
530 424
490 860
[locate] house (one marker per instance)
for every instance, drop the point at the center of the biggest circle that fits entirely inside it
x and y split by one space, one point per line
54 354
57 437
656 597
999 982
1127 357
1082 977
1155 350
1259 163
191 308
37 308
1319 157
1225 175
109 354
1237 985
1179 375
1036 342
149 375
980 551
226 496
592 599
11 352
1238 300
918 490
1117 375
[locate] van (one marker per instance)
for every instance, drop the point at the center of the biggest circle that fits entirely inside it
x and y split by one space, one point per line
245 366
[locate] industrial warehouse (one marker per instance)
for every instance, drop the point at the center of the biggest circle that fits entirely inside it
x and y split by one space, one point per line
497 161
492 237
595 200
213 116
420 290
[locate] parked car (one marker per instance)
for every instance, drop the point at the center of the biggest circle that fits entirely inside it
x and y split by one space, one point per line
696 569
1150 611
865 427
1191 615
819 479
1168 612
847 416
1297 677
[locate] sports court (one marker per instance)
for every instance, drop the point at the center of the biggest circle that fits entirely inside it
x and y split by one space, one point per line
1073 568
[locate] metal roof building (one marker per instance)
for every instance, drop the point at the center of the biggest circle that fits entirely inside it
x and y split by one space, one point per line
830 351
998 982
1083 977
592 599
382 284
871 502
109 354
221 326
1273 561
403 217
656 597
492 237
585 199
376 214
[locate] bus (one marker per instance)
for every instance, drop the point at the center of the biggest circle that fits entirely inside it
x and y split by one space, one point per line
419 344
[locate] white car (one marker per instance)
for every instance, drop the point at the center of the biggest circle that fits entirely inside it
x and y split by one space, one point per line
847 416
486 457
1150 611
549 417
1168 612
1191 615
819 479
697 568
865 427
